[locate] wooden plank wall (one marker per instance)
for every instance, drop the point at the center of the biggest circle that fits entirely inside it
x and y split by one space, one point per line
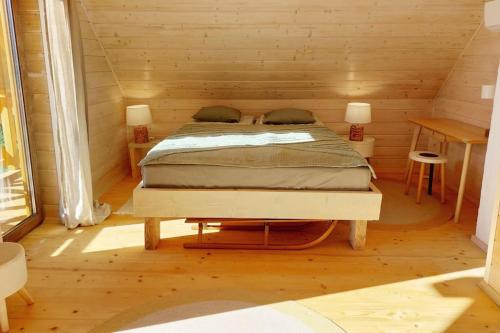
180 55
460 98
37 100
106 114
392 131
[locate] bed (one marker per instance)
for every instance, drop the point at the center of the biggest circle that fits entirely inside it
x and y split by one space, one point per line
261 173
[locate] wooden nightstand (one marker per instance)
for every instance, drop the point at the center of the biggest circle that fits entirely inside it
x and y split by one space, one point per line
365 147
133 148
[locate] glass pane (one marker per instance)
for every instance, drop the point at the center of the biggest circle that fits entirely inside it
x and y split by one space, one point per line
15 194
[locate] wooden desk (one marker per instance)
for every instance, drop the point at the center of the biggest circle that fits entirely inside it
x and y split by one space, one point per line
452 131
132 148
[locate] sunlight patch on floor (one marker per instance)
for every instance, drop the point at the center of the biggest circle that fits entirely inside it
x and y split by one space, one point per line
132 235
430 304
427 304
63 247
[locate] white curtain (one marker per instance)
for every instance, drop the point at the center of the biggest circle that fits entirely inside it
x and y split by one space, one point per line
68 107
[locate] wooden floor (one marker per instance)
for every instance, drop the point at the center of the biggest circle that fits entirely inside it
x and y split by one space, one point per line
409 279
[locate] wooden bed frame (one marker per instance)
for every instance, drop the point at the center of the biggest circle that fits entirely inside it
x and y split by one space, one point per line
156 204
247 224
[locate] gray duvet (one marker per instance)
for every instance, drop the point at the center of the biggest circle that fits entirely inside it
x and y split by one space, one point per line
255 146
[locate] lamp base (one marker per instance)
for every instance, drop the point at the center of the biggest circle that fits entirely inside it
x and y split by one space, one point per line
356 133
141 134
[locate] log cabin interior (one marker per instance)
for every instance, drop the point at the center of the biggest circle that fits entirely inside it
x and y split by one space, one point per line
253 166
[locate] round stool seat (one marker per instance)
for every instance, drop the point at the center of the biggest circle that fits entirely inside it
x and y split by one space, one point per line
428 157
13 272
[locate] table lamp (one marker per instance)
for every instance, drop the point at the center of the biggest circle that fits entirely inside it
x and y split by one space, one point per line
139 116
357 114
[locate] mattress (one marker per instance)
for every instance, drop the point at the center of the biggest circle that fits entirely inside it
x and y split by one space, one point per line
226 177
306 157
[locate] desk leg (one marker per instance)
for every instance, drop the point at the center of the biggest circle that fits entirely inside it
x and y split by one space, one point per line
133 162
413 146
463 179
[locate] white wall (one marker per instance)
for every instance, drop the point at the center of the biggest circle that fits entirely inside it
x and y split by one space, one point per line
460 99
490 195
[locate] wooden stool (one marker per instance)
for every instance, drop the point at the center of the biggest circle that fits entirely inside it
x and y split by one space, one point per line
13 277
431 158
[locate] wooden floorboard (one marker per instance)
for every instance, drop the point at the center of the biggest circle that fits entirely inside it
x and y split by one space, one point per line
409 278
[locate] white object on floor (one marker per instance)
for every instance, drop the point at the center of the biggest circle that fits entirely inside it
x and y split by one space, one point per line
13 277
492 15
487 92
101 211
232 316
127 208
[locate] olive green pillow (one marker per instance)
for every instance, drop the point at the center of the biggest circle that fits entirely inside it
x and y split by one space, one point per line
218 113
288 116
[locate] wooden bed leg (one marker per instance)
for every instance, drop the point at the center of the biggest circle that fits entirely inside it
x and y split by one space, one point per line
266 234
357 234
151 232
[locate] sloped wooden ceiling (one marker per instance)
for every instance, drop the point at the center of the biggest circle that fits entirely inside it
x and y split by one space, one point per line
283 49
178 56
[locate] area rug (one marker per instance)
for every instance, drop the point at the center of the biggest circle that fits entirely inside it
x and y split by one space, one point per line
127 208
395 206
220 316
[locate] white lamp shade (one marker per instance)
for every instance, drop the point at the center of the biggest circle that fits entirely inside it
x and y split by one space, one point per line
138 115
487 92
358 113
